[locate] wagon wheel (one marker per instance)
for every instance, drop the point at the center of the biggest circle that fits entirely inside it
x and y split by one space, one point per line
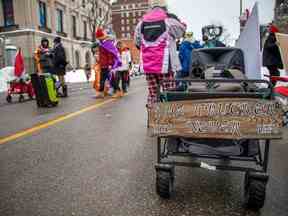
21 99
164 184
255 192
9 98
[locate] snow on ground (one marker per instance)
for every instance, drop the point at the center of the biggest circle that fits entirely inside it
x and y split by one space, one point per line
6 75
78 76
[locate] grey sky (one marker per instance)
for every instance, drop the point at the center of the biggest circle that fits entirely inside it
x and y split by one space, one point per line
197 13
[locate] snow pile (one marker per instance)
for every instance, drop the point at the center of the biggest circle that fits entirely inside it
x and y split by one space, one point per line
6 75
78 76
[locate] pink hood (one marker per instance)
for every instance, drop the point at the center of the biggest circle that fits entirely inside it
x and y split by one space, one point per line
155 15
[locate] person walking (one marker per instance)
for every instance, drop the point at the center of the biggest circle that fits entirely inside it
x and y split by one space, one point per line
271 53
109 60
122 71
155 36
185 53
60 63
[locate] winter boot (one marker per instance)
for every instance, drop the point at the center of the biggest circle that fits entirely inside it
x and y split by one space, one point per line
65 91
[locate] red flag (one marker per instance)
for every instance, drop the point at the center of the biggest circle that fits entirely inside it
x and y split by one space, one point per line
19 64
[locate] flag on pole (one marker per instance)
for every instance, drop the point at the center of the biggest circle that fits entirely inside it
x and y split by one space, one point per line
19 64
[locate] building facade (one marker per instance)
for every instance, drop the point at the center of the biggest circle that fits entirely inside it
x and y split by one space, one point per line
158 3
125 16
281 15
26 22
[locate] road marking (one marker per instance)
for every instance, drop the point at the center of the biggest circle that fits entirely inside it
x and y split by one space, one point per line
52 122
58 119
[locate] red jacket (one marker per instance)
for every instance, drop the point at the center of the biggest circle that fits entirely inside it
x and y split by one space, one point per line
106 58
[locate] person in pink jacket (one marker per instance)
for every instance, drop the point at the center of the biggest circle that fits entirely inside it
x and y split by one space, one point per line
155 36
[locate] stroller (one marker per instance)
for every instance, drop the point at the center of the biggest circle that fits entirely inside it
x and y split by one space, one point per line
20 86
219 116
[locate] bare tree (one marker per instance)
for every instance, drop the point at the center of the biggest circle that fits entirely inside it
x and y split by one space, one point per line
97 17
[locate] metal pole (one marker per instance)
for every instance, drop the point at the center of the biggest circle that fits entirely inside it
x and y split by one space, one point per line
241 7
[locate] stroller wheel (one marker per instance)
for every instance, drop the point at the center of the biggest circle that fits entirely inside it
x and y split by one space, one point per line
21 98
255 191
9 98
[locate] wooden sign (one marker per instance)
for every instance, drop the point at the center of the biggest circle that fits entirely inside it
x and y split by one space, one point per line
228 118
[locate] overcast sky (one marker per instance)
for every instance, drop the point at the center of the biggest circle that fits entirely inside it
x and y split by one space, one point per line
197 13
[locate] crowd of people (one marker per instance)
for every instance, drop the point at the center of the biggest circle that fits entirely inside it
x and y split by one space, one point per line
163 59
52 61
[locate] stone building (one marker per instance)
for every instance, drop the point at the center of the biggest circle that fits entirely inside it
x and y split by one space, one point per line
281 15
25 22
125 16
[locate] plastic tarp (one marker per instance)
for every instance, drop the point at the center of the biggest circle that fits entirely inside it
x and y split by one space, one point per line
223 58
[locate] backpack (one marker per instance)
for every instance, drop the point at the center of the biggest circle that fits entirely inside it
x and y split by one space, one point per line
151 31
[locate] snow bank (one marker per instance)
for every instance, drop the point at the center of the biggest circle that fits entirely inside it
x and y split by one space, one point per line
6 75
78 76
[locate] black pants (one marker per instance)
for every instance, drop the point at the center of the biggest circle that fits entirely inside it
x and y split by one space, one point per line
273 71
104 76
121 76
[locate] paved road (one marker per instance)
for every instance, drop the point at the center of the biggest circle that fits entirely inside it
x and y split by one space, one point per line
100 161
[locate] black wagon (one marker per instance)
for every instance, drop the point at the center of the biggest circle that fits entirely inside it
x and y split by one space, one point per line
217 114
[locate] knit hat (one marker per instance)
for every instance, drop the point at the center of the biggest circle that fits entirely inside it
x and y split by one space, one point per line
273 29
100 34
57 40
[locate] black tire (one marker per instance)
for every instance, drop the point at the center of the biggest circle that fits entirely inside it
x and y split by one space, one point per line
21 99
255 192
285 119
9 98
164 184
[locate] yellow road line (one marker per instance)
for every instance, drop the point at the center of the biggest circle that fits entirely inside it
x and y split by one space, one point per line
56 120
51 122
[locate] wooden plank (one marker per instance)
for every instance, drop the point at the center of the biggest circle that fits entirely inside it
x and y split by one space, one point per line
227 118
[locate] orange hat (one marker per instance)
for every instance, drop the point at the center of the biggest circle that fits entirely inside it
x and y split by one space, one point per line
100 34
273 29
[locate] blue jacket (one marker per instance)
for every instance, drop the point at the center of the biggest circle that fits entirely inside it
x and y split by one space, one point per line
185 55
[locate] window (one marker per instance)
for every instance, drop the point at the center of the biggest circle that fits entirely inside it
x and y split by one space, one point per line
100 12
122 15
74 30
123 35
8 12
122 7
134 21
127 14
122 21
128 28
123 28
127 21
85 29
83 3
134 13
43 14
139 13
59 20
133 6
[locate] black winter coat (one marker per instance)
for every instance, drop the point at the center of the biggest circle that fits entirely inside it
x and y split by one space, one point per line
271 53
59 59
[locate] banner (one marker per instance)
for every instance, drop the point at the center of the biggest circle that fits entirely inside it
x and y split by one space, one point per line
283 41
249 42
226 118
